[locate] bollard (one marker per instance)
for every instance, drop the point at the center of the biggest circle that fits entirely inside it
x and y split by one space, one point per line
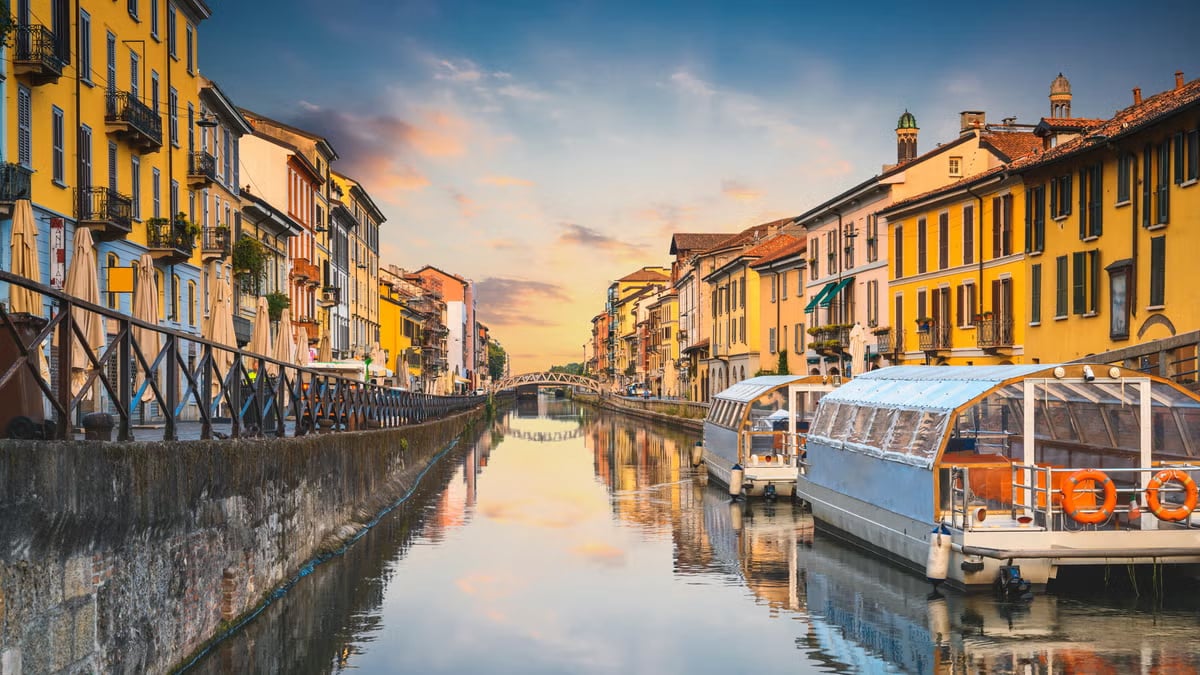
97 426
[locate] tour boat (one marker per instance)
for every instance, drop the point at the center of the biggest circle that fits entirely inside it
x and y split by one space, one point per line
1006 475
747 432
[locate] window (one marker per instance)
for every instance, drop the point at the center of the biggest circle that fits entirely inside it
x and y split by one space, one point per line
191 49
1084 277
873 303
171 29
1192 148
85 155
112 166
742 329
922 243
191 127
156 189
798 337
110 52
1035 293
1124 177
174 197
1091 194
1060 287
204 208
133 75
173 113
1035 219
872 238
771 340
968 231
783 285
60 25
176 289
899 252
831 248
956 166
160 279
898 323
56 129
227 158
848 249
1180 153
24 126
1119 274
966 305
1060 196
943 241
154 19
1002 226
1162 185
154 91
133 8
1158 271
85 47
191 302
774 283
135 186
742 296
814 260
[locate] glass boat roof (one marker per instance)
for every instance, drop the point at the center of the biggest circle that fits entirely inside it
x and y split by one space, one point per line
750 389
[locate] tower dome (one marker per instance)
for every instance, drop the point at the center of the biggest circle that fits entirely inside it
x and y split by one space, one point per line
906 138
907 121
1060 97
1060 85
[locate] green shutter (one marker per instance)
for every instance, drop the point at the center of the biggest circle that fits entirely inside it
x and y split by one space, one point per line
1035 293
1158 270
1079 283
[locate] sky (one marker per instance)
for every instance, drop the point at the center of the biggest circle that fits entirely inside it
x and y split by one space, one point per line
545 149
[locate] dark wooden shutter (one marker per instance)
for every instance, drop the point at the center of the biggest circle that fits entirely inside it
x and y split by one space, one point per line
899 251
943 241
964 314
968 235
1147 157
996 215
1035 293
1158 266
1078 283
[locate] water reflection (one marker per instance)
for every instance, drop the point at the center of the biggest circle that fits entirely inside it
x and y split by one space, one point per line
567 539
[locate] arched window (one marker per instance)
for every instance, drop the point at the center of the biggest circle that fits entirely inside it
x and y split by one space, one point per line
191 288
160 280
175 292
110 261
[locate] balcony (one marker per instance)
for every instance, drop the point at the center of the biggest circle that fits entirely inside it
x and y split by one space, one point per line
14 183
300 269
934 336
105 212
133 121
311 328
202 169
888 341
330 296
170 241
215 244
992 332
832 339
35 58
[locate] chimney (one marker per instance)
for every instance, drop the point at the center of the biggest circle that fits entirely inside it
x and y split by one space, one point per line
1179 79
1137 95
971 120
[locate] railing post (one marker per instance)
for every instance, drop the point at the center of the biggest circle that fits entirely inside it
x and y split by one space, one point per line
65 340
125 380
171 370
206 379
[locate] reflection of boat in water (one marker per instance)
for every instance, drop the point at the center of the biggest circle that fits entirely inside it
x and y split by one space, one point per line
746 432
1004 457
868 616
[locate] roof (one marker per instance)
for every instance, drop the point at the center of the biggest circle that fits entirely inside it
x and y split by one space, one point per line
748 390
697 346
748 235
797 246
696 241
770 246
1049 124
907 121
1124 123
945 189
319 140
646 275
933 388
1011 145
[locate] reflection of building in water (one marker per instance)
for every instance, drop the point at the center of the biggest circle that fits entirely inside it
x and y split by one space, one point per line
868 616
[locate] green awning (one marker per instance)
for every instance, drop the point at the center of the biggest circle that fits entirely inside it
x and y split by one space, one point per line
812 304
827 298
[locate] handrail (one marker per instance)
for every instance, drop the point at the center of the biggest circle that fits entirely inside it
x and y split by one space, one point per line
254 388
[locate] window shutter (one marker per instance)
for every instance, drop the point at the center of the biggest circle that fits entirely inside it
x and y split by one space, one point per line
24 127
968 235
943 241
1179 155
1035 293
997 299
921 313
1029 219
1078 283
1097 199
996 213
1093 258
1083 205
1158 277
959 300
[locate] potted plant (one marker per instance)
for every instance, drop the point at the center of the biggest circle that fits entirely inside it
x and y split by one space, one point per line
276 303
249 258
924 323
881 330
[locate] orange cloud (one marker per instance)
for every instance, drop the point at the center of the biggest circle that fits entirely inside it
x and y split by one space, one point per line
739 191
467 207
440 134
506 181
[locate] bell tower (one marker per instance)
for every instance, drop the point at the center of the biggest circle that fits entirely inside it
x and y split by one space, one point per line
1060 97
906 138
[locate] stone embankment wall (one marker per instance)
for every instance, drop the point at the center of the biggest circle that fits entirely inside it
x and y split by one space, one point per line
128 558
682 414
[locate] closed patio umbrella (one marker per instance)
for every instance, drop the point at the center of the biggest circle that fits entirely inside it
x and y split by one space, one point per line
303 358
285 341
858 350
24 261
145 308
260 336
219 326
324 352
82 284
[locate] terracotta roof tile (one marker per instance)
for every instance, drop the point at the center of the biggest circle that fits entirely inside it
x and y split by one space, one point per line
645 275
1010 144
794 247
749 235
1068 123
969 180
696 241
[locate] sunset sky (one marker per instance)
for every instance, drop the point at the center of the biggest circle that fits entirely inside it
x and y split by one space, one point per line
544 149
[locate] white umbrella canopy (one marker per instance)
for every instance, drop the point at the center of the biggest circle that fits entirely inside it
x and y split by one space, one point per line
858 350
83 284
219 326
303 357
145 308
285 343
24 261
324 351
260 336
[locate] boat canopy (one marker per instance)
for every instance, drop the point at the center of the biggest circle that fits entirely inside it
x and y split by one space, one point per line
910 414
753 399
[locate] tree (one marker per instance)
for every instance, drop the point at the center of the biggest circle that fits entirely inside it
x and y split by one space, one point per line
570 369
496 360
782 367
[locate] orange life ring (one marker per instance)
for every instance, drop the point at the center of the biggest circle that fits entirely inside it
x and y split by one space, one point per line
1070 494
1178 513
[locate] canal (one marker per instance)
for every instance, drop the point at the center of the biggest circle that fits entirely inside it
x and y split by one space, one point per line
571 540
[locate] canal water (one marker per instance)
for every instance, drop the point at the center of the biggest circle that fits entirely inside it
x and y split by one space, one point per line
571 540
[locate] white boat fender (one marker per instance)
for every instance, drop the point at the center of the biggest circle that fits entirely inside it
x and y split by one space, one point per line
735 516
697 453
736 476
937 565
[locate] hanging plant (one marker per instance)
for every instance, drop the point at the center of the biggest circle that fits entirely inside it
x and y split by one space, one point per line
250 258
276 303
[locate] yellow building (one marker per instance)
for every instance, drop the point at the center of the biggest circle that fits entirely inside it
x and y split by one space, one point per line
101 135
1111 262
622 308
400 326
782 337
957 274
662 351
362 291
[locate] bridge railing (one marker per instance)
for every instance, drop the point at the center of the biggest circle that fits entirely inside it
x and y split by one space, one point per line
51 374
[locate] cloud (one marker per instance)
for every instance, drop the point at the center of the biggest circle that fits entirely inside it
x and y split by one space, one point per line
506 181
467 207
522 92
501 244
462 70
580 235
690 84
739 191
508 302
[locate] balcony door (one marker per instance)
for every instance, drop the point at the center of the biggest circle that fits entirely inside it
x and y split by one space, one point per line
23 37
1002 309
942 317
85 157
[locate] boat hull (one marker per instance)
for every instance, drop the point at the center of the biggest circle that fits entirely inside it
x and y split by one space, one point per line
756 478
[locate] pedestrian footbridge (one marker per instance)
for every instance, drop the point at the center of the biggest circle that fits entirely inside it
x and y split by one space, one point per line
565 379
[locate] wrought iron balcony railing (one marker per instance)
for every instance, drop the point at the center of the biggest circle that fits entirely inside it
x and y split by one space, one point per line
170 240
36 55
14 183
886 342
934 336
106 212
994 332
215 243
202 169
134 121
330 296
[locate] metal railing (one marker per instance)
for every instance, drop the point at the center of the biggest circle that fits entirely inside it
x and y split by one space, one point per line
123 106
36 47
14 182
203 165
993 331
107 207
934 336
252 396
171 235
215 240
